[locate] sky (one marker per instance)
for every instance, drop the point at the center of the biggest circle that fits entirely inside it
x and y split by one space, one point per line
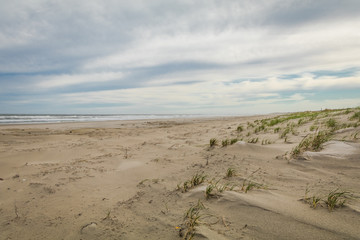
178 57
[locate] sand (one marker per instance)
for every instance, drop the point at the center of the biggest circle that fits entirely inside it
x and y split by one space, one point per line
119 180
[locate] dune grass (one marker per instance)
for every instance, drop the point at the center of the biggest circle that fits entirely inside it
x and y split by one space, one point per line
253 140
196 180
311 142
191 220
355 116
213 142
336 199
225 142
230 172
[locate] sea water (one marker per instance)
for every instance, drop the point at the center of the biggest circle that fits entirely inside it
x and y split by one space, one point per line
58 118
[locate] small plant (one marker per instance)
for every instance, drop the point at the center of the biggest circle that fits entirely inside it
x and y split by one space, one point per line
285 132
311 142
355 116
331 123
318 140
276 130
355 135
314 201
253 140
196 180
213 142
233 141
336 199
230 172
222 188
314 128
260 128
239 128
209 191
185 186
225 142
191 220
251 185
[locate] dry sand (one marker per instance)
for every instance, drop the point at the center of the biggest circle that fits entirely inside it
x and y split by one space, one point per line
118 180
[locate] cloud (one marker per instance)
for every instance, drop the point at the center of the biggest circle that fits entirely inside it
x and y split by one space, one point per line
176 55
65 80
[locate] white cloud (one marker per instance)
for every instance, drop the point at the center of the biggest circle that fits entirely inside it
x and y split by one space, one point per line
214 93
65 80
197 54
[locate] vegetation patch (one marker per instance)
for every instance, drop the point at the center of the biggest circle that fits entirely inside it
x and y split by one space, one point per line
196 180
191 220
213 142
334 199
312 142
355 116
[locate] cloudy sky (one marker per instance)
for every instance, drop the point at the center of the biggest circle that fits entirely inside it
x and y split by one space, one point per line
186 56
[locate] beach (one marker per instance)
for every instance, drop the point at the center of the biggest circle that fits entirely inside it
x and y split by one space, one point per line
262 177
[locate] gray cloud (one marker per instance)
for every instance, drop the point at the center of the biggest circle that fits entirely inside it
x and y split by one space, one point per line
76 47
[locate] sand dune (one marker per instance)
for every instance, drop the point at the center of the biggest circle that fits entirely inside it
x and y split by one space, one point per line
125 179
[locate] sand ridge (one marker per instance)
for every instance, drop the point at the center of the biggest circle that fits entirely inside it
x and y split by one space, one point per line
120 179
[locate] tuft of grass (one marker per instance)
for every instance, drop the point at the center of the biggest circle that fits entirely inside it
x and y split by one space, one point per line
260 128
314 128
225 142
312 201
276 130
315 200
191 220
230 172
336 199
209 191
239 128
196 180
285 132
253 140
311 142
331 123
318 140
251 185
213 142
184 187
233 141
265 142
250 125
215 189
355 116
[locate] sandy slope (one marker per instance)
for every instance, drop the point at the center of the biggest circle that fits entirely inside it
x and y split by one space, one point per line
118 180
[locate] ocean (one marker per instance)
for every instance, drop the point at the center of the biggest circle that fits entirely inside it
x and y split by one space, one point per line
59 118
